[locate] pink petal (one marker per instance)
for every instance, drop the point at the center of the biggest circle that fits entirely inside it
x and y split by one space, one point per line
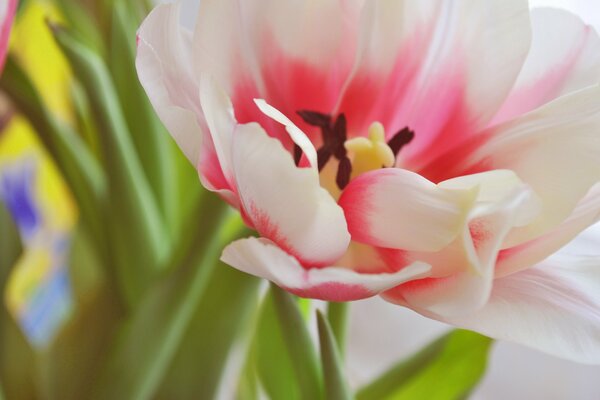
7 13
285 203
554 307
560 61
263 258
399 209
443 69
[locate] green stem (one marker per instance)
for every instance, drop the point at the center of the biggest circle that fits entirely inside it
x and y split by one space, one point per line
337 314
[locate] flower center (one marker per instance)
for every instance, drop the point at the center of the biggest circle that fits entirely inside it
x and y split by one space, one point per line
341 159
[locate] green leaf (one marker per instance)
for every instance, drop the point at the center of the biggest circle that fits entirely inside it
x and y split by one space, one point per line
449 368
10 245
151 140
269 358
336 387
151 338
17 361
337 314
80 20
298 344
220 320
137 230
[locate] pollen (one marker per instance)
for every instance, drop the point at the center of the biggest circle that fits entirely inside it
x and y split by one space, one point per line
368 154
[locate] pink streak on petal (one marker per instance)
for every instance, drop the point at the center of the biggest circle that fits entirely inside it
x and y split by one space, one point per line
333 291
268 229
357 209
5 30
289 84
373 96
397 294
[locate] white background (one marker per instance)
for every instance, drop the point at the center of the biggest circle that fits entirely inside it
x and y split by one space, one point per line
382 333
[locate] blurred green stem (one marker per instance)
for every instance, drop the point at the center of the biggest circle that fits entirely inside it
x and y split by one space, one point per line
337 314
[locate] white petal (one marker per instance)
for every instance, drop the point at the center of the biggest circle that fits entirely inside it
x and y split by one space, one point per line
263 258
560 61
399 209
164 67
296 133
286 204
552 308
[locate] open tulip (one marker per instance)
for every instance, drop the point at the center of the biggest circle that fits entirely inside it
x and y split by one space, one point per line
431 152
7 14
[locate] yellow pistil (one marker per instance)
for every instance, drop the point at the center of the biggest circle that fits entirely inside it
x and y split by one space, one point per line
368 154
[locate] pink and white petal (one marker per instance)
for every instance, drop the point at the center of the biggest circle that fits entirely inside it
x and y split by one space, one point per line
554 149
296 134
443 69
164 68
263 258
521 257
285 203
472 256
396 208
7 14
560 61
276 50
554 308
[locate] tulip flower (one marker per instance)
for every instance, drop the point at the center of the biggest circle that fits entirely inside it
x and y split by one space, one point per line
433 152
7 13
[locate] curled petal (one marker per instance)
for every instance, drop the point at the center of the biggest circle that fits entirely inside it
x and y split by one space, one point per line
285 203
263 258
296 133
554 149
465 269
399 209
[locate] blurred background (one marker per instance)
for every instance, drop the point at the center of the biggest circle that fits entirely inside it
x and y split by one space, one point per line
71 291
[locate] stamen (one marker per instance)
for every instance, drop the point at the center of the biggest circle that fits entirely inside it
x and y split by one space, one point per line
401 139
366 154
315 118
297 154
344 172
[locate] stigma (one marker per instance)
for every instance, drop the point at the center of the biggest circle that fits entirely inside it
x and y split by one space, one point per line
370 153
